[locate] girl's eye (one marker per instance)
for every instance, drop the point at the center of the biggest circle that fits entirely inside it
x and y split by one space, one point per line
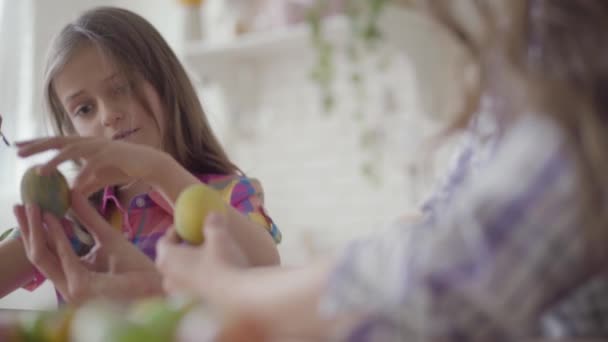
84 110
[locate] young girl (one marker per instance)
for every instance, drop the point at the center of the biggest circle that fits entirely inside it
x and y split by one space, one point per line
125 110
517 251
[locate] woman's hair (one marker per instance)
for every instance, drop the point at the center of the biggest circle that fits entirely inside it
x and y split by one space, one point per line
138 50
556 53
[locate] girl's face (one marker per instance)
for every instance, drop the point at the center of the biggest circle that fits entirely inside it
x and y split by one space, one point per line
101 102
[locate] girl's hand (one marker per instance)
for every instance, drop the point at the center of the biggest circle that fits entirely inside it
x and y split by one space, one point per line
105 162
114 268
204 270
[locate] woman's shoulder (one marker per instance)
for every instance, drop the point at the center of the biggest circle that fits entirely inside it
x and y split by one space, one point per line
533 138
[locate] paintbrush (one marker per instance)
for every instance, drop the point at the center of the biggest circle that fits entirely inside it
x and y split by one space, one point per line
2 134
4 139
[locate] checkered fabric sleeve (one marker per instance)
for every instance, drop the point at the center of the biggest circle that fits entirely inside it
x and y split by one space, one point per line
504 249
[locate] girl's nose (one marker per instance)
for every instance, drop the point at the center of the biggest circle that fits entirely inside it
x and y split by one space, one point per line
111 116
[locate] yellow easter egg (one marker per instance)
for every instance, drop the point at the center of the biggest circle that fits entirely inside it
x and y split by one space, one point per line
191 209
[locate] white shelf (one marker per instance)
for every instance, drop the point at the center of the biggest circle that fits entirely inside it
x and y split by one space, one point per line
210 59
237 66
404 28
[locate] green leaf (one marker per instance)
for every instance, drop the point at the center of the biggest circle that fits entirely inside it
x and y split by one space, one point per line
6 234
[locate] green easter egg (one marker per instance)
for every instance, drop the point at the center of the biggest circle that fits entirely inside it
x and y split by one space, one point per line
51 192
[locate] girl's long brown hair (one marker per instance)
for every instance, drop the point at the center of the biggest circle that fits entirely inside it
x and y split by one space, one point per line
555 52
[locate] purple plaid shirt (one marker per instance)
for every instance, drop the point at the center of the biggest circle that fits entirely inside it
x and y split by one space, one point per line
499 255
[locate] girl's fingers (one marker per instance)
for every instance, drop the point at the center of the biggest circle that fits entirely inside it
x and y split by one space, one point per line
24 143
19 211
36 239
55 269
37 253
89 217
28 148
88 184
69 152
87 187
68 259
88 171
87 181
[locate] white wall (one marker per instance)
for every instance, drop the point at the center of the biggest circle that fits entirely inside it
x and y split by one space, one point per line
310 162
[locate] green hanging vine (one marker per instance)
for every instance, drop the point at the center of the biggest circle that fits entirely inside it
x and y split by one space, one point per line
365 34
363 16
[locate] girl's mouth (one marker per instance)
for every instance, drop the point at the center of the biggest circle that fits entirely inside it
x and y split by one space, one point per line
124 134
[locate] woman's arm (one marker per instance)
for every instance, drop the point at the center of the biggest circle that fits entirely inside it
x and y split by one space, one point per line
285 301
171 179
15 268
282 301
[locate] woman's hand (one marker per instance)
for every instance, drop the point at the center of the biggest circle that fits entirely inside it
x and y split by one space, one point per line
114 268
200 270
271 301
105 162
